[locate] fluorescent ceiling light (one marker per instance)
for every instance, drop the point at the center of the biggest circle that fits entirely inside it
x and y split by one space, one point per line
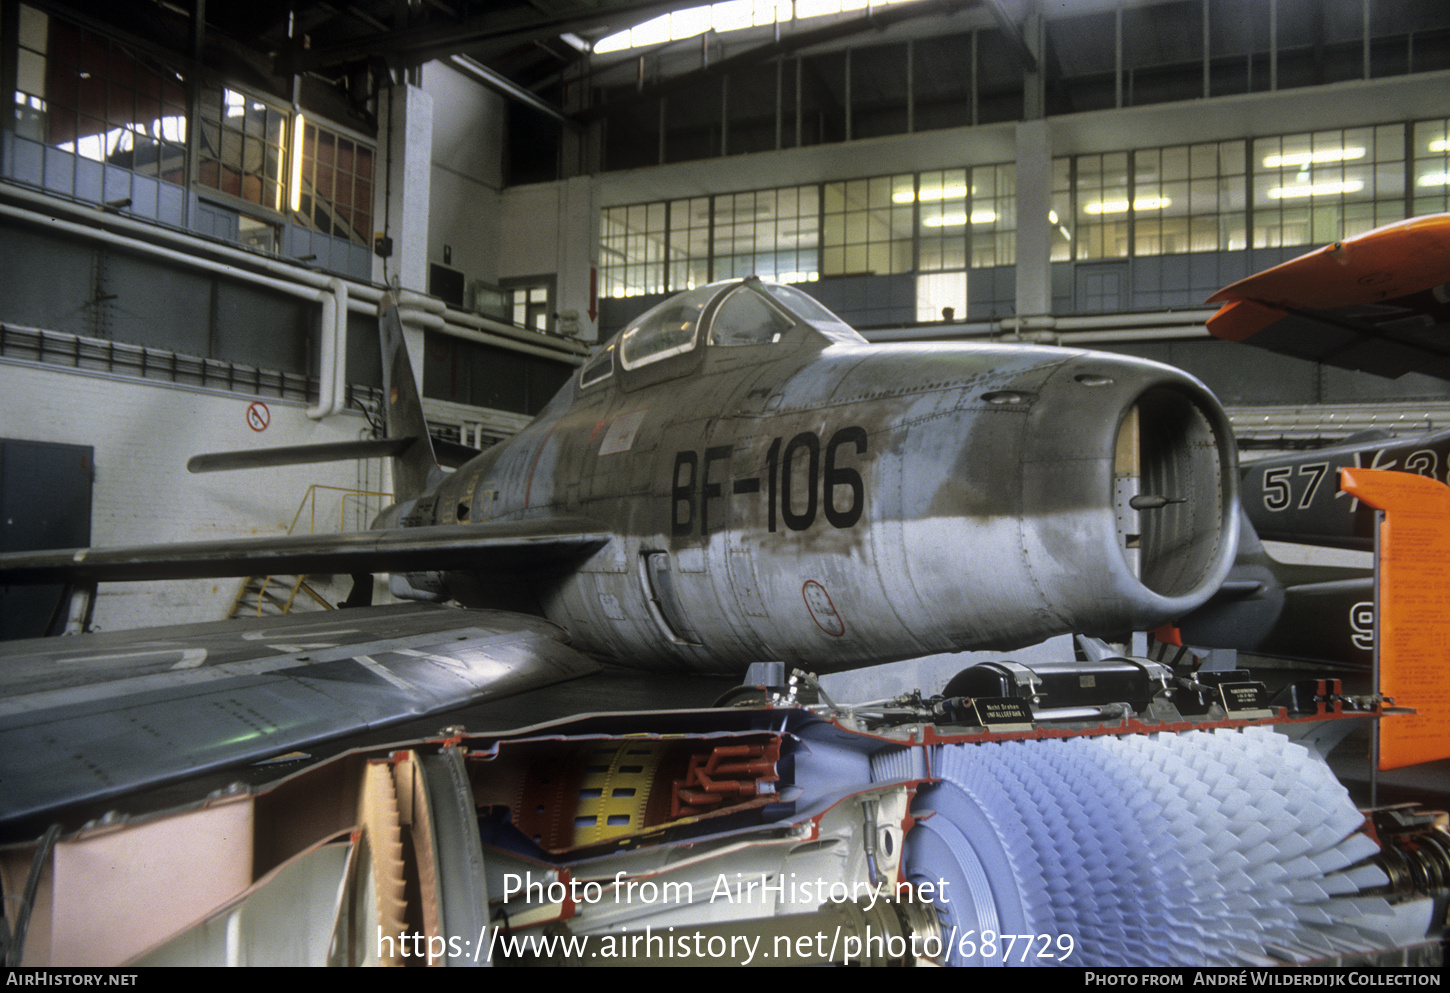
1440 145
1296 159
1315 189
294 177
957 220
1121 206
1435 179
928 193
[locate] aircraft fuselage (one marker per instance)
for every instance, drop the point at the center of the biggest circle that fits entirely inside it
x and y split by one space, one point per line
817 499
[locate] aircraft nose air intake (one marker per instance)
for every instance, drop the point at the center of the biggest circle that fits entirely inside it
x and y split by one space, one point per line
1168 492
1128 474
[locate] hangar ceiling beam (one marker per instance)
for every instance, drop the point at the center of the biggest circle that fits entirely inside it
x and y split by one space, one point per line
876 21
443 38
1014 35
502 84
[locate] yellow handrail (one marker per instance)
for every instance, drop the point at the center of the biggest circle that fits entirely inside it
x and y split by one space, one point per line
309 498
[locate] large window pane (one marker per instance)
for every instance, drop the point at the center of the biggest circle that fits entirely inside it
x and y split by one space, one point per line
993 216
1321 186
945 219
91 96
240 147
1188 198
1103 206
1431 172
878 218
632 250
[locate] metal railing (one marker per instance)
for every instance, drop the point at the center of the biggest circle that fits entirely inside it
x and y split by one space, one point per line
260 587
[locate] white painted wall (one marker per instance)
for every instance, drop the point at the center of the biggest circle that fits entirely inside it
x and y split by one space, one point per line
466 172
143 433
553 230
530 215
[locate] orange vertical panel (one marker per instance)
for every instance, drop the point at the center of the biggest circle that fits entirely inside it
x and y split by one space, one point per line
1412 578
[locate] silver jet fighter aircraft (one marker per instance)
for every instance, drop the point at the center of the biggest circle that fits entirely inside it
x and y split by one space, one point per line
780 489
736 477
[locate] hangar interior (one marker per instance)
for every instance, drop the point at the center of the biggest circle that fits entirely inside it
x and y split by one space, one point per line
186 188
200 203
203 205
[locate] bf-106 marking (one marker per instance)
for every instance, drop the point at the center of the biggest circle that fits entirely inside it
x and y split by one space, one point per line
796 484
753 457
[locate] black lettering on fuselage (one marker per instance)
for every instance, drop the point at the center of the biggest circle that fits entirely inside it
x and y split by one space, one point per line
708 490
845 476
811 445
796 482
683 493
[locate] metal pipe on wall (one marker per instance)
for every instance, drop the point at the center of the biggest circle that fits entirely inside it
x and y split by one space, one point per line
153 234
292 279
332 357
333 297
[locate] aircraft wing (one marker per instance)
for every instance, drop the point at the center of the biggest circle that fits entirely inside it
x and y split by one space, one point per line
1377 302
90 717
435 548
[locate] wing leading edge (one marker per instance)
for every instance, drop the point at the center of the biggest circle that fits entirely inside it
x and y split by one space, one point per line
509 545
1376 302
86 719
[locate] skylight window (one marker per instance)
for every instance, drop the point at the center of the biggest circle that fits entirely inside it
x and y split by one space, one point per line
731 15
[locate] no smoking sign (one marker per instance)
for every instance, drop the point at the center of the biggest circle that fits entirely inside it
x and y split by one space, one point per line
258 416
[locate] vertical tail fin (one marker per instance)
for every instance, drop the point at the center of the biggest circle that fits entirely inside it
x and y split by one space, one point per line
403 408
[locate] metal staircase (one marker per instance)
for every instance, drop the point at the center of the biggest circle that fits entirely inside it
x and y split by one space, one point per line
260 596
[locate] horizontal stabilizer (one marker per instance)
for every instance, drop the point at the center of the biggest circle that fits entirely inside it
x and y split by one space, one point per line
452 454
266 458
92 717
514 545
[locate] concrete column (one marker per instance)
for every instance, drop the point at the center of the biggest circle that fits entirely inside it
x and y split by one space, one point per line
1034 231
578 236
580 145
1034 84
403 182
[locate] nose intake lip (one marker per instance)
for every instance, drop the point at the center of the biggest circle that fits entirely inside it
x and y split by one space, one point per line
1129 469
1170 466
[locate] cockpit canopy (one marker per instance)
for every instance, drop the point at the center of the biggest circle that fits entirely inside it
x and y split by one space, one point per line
730 313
